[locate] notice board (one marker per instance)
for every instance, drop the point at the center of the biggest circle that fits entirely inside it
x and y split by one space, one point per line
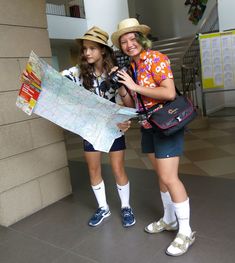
217 53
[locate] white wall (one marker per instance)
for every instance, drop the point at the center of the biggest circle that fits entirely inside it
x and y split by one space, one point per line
226 22
62 54
182 26
105 13
157 15
168 18
60 27
132 8
226 14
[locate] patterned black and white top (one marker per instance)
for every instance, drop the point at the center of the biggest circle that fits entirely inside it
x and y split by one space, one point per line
98 88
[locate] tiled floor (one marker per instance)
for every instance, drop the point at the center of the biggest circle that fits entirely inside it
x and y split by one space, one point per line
207 152
60 234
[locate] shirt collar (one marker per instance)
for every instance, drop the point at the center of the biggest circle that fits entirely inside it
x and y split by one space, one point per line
143 56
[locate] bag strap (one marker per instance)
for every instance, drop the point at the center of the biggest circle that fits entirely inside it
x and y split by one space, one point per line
142 103
134 72
139 97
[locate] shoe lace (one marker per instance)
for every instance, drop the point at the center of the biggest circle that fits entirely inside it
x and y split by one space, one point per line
98 212
126 212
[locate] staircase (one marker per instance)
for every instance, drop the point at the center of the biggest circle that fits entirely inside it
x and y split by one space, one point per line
184 54
175 49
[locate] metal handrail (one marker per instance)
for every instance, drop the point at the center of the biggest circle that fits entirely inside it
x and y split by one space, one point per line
172 39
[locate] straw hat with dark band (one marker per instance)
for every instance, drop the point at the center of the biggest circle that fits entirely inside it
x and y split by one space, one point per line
95 34
127 26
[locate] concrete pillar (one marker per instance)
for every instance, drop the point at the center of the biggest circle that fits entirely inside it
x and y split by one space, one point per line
33 161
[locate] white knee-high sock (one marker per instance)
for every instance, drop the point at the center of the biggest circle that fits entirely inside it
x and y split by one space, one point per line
169 212
124 194
182 211
99 191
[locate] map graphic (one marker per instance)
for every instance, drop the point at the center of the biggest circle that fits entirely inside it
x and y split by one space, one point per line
76 109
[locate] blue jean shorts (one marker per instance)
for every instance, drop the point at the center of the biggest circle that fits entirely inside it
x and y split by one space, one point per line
162 146
118 145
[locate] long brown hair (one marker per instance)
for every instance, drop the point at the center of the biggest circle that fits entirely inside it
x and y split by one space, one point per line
87 69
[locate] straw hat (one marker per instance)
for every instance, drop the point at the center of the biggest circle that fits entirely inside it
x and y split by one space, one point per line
127 26
95 34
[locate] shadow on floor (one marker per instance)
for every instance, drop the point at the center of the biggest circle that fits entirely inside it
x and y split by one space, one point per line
60 234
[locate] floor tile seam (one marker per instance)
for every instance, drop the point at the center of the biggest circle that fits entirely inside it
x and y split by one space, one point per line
211 130
221 176
150 168
74 146
33 225
229 158
56 204
207 139
223 147
215 239
214 147
72 249
26 234
193 161
161 251
188 143
205 171
76 254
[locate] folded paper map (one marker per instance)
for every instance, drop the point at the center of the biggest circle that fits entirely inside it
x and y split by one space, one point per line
71 106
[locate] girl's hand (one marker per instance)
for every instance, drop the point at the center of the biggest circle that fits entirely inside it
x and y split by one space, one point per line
124 126
127 80
113 70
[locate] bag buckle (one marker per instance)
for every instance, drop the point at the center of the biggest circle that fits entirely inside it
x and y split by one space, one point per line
142 116
179 119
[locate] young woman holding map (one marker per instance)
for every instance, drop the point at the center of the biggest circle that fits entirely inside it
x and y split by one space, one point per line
96 62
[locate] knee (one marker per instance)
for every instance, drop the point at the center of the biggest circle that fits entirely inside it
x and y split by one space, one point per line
168 181
94 170
118 170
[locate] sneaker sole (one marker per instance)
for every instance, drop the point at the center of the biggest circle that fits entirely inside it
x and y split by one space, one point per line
128 225
105 216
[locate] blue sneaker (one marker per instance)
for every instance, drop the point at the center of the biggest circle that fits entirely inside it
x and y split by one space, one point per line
128 218
99 216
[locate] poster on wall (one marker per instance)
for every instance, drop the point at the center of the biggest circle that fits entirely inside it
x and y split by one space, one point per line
217 52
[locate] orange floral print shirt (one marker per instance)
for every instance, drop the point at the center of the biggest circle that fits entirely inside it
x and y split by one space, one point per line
152 68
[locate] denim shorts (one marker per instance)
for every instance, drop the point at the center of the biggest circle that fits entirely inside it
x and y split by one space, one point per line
118 145
163 146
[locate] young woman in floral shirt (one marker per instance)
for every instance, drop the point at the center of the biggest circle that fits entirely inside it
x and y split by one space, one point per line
154 82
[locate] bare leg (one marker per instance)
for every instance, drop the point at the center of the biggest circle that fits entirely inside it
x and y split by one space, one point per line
93 160
94 166
117 163
167 170
123 187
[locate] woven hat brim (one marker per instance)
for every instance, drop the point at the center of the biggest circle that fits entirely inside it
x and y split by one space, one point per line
91 38
116 35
